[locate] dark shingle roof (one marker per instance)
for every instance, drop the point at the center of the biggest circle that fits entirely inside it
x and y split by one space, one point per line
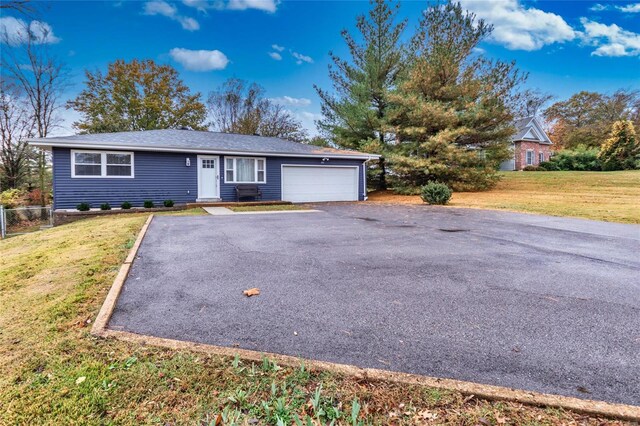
191 140
523 125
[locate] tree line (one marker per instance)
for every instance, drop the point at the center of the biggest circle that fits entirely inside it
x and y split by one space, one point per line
428 102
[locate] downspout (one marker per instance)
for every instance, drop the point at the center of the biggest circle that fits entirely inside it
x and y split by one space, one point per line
364 174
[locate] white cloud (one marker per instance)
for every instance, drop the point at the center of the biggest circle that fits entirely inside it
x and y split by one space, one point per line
204 5
65 119
300 58
518 27
598 7
199 60
308 120
629 8
160 7
188 24
288 100
200 5
276 47
16 31
264 5
610 40
276 56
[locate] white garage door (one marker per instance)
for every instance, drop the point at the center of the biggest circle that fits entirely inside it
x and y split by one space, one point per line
319 183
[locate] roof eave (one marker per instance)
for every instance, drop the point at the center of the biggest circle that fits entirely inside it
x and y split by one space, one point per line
62 143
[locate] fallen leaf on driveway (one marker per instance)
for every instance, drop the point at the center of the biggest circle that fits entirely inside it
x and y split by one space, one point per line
251 292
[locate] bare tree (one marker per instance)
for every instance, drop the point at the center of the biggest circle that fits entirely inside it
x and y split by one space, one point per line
240 107
21 6
530 102
278 122
28 63
16 125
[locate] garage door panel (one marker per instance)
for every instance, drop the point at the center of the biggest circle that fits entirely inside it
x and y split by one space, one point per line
319 183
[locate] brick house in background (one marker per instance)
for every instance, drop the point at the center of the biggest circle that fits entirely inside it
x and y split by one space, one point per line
530 145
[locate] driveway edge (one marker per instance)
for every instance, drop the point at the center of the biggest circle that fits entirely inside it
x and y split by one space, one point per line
109 304
489 392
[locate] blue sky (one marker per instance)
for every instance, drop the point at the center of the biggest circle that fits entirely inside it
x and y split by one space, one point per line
566 46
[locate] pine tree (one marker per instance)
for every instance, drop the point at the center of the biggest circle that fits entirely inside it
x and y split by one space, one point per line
354 115
621 151
451 111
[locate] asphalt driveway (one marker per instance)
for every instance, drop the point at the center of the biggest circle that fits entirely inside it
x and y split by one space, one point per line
530 302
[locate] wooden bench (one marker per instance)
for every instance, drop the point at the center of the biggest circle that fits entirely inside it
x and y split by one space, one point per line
248 190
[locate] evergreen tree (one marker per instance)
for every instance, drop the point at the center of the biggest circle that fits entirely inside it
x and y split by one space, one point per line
622 150
451 111
354 115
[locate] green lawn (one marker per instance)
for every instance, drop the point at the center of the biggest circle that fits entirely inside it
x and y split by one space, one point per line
52 284
608 196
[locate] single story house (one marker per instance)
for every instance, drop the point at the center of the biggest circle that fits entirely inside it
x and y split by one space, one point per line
530 145
189 166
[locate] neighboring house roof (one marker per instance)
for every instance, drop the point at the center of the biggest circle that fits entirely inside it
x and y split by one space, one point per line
197 142
529 129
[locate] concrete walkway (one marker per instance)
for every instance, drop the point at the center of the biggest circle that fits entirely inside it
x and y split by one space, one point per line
223 211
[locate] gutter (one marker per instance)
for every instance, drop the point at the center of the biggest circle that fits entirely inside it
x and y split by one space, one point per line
79 145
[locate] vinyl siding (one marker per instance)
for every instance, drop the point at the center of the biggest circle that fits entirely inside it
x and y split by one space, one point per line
161 176
271 190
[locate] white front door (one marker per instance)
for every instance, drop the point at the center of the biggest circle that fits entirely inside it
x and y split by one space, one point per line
208 177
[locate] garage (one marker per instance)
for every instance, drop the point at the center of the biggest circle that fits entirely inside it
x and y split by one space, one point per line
319 183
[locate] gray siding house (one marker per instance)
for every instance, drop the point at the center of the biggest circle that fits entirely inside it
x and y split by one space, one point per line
189 166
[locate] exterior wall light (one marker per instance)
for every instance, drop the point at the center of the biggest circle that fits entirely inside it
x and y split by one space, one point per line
188 162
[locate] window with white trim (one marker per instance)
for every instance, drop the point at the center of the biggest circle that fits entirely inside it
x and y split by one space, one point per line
529 157
101 164
245 170
540 157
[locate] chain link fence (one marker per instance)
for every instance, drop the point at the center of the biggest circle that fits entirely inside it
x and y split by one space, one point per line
23 220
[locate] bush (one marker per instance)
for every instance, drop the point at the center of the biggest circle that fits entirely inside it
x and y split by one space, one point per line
621 150
530 168
548 166
168 203
105 206
12 198
579 159
35 197
83 207
148 204
125 206
435 193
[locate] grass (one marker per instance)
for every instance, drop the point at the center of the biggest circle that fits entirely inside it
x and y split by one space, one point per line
268 208
52 284
607 196
196 211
